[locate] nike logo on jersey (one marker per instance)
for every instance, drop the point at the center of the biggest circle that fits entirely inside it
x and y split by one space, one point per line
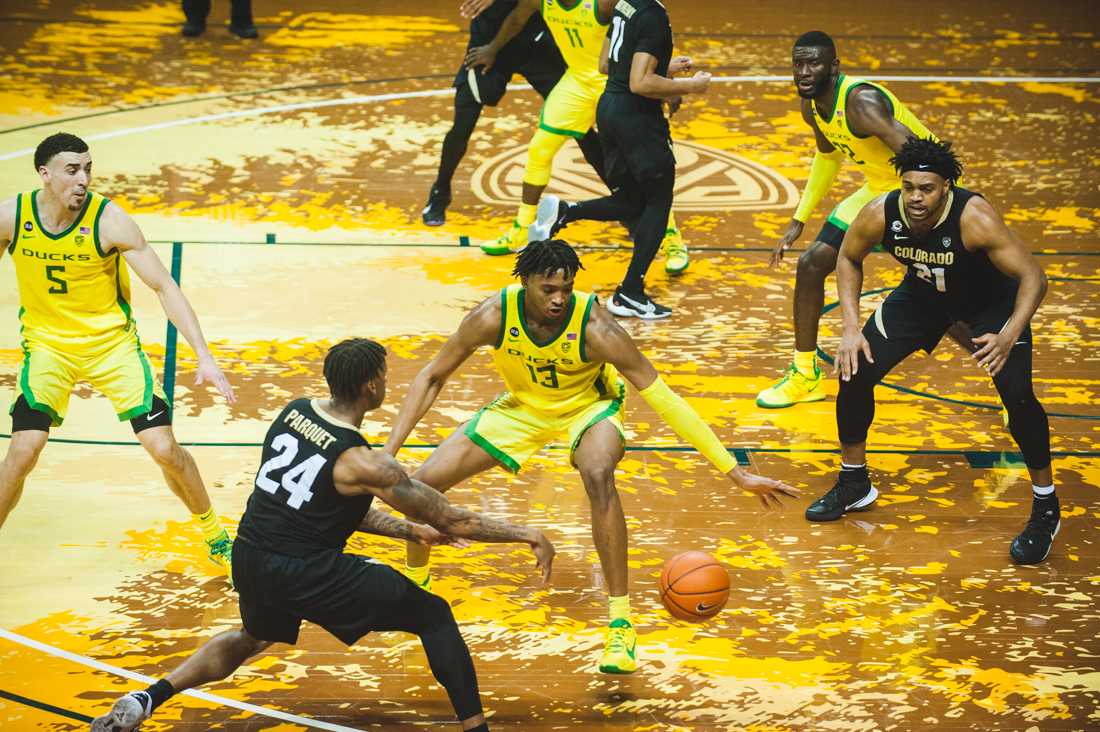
151 417
899 238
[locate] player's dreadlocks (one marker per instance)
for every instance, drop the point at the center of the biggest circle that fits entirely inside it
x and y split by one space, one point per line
934 156
57 143
350 364
546 257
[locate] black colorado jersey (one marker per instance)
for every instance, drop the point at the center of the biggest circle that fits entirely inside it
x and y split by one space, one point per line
294 508
939 264
637 26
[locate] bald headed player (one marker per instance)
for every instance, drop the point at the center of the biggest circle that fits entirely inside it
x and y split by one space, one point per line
963 265
851 118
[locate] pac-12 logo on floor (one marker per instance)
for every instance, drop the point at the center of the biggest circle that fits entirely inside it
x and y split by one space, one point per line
706 180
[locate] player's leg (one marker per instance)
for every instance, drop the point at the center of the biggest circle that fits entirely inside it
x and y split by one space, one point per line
124 375
467 110
903 323
195 12
569 111
45 381
802 381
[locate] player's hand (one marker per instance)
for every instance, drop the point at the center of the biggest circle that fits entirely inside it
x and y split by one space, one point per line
470 9
993 350
766 489
674 105
544 555
852 343
679 65
483 56
208 371
427 536
794 230
700 82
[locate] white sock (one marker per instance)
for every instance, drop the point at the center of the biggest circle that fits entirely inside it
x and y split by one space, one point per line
1042 491
846 466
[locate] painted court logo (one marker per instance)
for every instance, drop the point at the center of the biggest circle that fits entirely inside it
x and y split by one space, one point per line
706 180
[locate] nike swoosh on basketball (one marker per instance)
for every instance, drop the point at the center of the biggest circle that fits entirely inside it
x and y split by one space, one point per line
704 608
151 417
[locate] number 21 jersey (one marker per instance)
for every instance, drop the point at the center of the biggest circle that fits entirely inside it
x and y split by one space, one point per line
294 508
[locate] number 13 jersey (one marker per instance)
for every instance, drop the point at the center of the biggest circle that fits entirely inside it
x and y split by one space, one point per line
294 508
555 376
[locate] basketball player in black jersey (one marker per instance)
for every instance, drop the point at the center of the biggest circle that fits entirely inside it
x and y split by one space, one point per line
963 266
314 489
637 146
531 54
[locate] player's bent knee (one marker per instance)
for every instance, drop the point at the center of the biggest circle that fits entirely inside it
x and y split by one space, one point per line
599 482
164 450
815 264
23 452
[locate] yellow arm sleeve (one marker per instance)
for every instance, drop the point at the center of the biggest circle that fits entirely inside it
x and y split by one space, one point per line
684 420
822 173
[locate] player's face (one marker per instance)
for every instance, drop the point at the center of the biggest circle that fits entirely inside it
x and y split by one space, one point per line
814 67
548 295
923 195
66 176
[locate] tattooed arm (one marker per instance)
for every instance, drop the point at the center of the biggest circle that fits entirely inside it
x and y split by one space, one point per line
360 471
384 524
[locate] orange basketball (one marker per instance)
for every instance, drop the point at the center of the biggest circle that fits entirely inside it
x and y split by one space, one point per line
694 586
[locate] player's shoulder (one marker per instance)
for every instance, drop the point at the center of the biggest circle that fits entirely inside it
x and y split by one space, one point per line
486 318
977 211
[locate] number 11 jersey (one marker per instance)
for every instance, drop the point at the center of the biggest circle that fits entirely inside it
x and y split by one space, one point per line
294 508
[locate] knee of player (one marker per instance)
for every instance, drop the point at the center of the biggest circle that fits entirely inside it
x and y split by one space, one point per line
815 264
439 611
23 452
164 449
599 482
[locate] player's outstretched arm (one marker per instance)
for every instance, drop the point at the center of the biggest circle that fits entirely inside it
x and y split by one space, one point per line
983 228
360 471
480 327
823 170
381 523
119 231
862 235
606 341
8 234
486 56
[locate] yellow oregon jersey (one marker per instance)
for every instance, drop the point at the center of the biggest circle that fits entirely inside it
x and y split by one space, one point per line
871 154
554 377
70 293
579 36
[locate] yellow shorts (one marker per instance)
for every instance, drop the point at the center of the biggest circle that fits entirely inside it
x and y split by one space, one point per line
570 108
847 210
118 369
512 432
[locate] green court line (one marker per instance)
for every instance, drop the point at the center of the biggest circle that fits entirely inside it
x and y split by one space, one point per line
44 706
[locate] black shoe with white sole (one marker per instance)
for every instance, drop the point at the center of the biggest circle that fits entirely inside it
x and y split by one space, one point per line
549 218
634 306
435 212
847 494
1033 544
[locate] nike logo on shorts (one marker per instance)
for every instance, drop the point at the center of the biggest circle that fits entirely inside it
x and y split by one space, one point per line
151 417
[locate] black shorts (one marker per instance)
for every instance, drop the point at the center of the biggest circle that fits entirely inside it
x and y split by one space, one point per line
911 318
347 595
832 235
532 55
637 144
24 417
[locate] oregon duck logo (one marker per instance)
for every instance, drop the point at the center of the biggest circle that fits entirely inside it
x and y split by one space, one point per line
706 180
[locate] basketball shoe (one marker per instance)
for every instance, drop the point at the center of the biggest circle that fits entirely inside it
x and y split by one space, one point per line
793 388
1033 544
849 493
676 252
126 715
634 306
221 553
510 241
619 652
435 210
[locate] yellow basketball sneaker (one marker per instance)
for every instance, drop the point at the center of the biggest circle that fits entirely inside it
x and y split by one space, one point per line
221 553
793 388
510 241
619 655
676 252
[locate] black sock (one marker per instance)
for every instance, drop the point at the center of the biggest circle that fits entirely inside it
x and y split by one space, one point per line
160 692
854 472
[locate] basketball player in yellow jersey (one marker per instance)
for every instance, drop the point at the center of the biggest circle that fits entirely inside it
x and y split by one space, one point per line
850 118
579 28
560 355
68 246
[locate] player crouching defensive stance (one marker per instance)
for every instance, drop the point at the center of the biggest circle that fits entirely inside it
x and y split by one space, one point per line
314 489
963 266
